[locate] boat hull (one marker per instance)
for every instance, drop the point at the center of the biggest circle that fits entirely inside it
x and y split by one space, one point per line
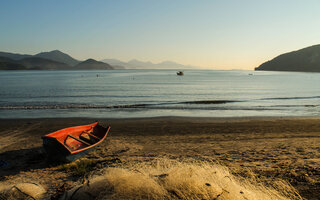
68 144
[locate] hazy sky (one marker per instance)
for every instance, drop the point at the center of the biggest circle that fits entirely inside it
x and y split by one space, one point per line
226 34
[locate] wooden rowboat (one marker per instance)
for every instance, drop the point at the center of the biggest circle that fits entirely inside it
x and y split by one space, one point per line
71 143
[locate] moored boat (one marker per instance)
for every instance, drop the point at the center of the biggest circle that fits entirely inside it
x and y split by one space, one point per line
180 73
71 143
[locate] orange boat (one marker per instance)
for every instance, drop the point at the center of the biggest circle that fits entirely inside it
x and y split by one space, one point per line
71 143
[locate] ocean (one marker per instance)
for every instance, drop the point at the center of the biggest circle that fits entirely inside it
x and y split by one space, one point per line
153 93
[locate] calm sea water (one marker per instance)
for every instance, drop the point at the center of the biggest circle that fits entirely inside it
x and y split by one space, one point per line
149 93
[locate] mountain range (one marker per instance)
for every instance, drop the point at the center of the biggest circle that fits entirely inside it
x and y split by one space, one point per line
53 60
57 60
136 64
303 60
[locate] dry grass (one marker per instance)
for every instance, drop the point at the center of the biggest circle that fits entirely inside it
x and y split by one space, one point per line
170 179
22 191
80 167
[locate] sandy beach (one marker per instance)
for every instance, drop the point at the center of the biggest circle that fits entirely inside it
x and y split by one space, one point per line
266 148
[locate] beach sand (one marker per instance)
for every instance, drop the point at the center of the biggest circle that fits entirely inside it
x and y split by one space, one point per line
267 148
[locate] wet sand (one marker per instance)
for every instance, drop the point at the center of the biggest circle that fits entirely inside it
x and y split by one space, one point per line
271 148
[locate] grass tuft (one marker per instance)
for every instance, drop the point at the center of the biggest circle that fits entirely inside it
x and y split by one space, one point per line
171 179
80 167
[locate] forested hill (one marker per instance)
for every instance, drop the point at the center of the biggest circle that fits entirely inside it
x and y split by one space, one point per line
303 60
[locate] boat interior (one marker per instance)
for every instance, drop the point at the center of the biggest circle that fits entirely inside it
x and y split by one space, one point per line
84 138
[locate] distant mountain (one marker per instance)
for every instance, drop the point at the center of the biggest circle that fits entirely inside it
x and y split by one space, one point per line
58 56
31 63
140 64
136 64
58 60
93 64
173 65
303 60
55 55
6 59
14 56
53 60
43 64
114 62
10 64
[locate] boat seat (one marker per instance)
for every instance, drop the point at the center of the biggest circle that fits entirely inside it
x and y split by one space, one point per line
80 140
89 137
91 141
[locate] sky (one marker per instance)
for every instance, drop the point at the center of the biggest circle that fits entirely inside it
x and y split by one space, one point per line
213 34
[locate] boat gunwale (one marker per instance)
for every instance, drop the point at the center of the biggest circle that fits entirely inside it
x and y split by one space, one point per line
65 129
51 136
95 144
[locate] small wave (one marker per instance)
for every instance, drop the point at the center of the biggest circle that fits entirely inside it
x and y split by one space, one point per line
209 102
293 106
213 108
82 96
291 98
163 106
38 107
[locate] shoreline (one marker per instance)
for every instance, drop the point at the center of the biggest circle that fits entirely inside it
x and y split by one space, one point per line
168 117
273 148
